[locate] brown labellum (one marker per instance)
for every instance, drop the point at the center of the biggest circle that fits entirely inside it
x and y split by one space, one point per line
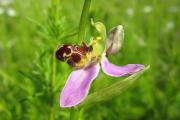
72 54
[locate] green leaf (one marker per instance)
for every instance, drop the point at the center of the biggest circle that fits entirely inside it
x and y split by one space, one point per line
113 90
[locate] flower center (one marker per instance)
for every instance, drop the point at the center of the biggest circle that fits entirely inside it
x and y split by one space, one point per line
75 55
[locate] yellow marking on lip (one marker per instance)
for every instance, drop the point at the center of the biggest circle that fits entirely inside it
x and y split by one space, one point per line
67 55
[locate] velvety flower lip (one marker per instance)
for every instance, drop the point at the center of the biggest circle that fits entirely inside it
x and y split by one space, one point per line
79 81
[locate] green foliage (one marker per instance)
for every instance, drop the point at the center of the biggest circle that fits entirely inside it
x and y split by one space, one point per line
31 78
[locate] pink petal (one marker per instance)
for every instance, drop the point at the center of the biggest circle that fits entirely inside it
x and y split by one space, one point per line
77 85
114 70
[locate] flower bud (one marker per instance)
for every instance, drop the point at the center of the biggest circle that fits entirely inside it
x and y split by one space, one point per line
114 40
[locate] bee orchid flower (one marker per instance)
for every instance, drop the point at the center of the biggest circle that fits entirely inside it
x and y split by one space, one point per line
87 61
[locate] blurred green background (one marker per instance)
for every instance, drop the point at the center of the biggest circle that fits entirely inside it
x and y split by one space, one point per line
30 31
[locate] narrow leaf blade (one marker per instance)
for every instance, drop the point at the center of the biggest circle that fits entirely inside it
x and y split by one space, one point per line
113 90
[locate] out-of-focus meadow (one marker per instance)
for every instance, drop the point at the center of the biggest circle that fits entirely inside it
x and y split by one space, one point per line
31 78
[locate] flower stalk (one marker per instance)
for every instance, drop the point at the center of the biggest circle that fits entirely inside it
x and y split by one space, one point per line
54 17
83 20
51 86
74 114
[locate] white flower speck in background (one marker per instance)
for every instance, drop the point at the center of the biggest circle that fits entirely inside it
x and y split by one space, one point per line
140 40
130 11
174 9
169 26
6 9
147 9
11 12
6 2
1 11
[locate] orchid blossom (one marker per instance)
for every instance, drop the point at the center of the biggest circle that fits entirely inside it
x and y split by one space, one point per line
87 61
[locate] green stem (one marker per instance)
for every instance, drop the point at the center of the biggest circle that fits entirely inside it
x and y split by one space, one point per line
54 17
51 85
74 114
83 20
